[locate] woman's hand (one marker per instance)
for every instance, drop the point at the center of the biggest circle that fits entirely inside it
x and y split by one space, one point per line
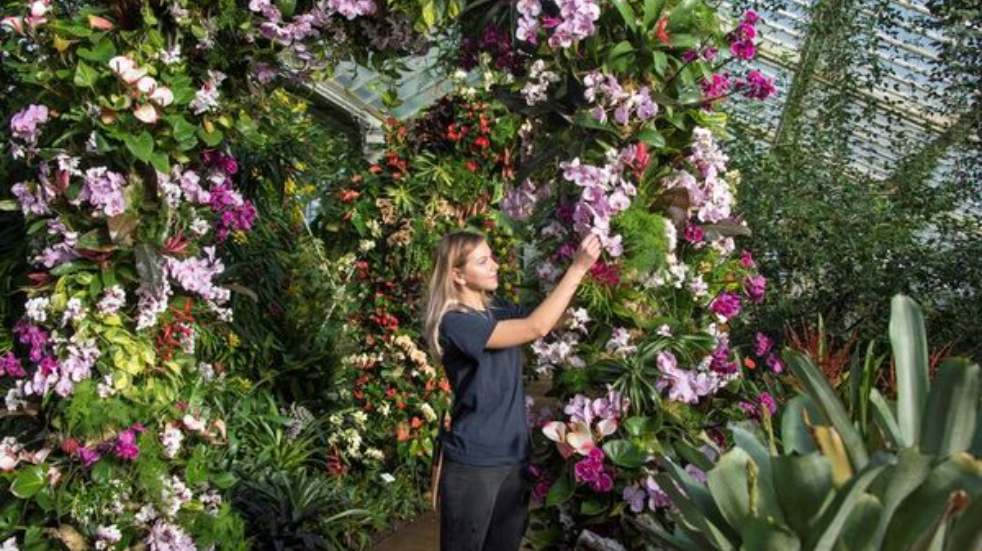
588 253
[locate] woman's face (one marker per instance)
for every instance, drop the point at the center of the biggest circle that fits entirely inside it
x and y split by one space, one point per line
480 271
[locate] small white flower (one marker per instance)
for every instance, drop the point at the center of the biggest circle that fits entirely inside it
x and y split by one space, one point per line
36 309
388 478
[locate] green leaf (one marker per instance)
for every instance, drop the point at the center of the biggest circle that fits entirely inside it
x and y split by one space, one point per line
803 482
828 529
684 41
652 8
911 470
759 534
949 420
624 453
627 13
659 62
697 492
883 414
561 490
827 400
102 472
102 52
696 517
919 514
140 146
224 480
28 482
620 56
160 161
856 534
593 506
768 504
652 137
730 486
85 76
909 341
211 139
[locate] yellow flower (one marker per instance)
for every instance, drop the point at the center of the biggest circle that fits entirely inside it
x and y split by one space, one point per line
289 186
233 340
240 237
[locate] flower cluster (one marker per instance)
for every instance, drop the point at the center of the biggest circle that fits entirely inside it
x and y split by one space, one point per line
537 83
685 385
12 452
619 343
206 98
644 492
519 202
764 349
742 38
590 421
592 471
603 90
576 22
496 42
103 189
710 195
143 86
197 276
605 193
36 12
25 127
552 352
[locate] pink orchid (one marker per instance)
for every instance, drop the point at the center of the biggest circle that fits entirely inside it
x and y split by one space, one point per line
570 438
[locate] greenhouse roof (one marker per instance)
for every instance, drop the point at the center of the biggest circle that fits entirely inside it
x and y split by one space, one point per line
902 111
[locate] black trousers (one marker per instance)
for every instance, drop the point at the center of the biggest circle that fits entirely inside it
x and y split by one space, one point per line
483 508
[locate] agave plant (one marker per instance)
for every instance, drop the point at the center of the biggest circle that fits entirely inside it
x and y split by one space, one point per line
916 486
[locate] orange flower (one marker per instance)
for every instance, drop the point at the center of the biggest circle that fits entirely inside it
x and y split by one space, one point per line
444 385
375 168
749 363
402 432
416 422
348 195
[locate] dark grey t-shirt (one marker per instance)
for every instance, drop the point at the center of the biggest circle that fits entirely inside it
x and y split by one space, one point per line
488 417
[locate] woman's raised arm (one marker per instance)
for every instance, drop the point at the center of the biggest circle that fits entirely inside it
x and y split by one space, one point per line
539 323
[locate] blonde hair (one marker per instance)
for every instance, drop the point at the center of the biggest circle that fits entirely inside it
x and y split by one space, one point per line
442 295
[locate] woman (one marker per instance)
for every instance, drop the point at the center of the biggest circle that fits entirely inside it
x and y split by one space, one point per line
484 453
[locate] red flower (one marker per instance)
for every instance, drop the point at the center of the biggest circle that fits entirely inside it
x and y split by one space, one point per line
348 195
482 142
453 133
416 422
471 166
69 446
660 31
390 392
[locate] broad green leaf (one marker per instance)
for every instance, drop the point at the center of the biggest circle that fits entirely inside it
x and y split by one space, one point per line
794 433
804 484
652 137
627 13
911 470
101 52
624 453
949 420
730 486
768 504
885 419
909 341
825 397
652 8
561 490
211 139
593 506
759 534
829 527
921 511
694 516
28 481
856 533
85 75
140 146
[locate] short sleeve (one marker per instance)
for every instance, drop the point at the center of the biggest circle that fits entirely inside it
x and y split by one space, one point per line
504 310
467 331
